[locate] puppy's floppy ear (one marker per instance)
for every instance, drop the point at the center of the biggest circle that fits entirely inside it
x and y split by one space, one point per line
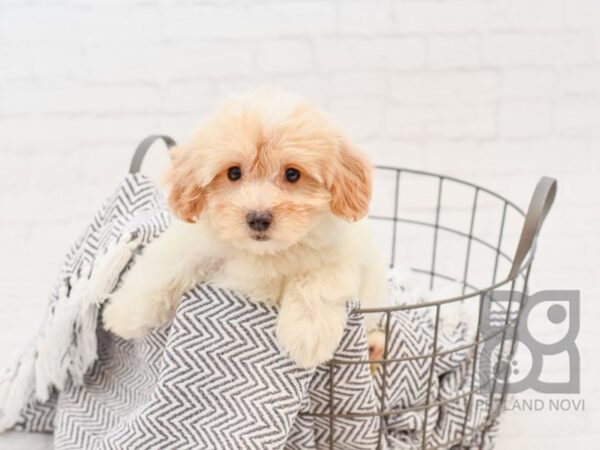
352 184
187 196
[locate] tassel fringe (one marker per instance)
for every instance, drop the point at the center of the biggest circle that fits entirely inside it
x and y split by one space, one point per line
67 347
16 388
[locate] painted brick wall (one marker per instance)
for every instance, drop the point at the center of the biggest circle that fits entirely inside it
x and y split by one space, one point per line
496 91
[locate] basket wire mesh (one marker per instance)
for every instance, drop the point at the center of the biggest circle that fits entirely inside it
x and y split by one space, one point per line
516 264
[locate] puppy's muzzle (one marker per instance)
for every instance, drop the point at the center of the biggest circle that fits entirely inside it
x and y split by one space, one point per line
259 220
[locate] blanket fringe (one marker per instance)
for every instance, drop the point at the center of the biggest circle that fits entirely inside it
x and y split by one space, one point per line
103 281
16 388
67 346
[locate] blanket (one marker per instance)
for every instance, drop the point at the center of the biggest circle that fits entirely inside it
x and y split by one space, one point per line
215 377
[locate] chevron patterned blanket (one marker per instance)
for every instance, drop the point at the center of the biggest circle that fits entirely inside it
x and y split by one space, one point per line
215 378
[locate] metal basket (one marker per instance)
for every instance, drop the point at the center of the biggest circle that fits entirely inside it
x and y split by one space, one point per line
433 220
511 251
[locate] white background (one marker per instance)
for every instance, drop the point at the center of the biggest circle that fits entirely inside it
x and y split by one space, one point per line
498 92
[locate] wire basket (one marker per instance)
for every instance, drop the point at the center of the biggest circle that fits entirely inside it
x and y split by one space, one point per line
446 230
459 232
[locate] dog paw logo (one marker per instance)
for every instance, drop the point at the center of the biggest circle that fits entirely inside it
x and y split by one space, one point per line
545 337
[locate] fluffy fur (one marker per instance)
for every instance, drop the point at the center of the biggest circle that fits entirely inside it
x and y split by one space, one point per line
314 256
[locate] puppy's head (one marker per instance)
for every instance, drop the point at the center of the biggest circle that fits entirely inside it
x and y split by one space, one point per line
265 171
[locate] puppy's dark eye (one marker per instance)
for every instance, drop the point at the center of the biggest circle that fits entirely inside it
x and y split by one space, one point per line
292 175
234 173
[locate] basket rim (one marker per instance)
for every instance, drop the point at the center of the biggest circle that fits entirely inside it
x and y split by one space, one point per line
453 179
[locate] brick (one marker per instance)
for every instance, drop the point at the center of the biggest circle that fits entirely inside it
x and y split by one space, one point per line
578 116
59 171
531 15
576 48
105 164
349 53
12 168
314 88
582 14
365 17
580 81
462 121
529 83
403 53
188 97
437 88
455 16
451 121
525 118
197 60
285 56
56 60
397 152
466 156
451 52
121 62
193 21
114 23
16 62
358 83
60 132
544 155
253 20
356 53
509 49
40 23
292 18
350 114
65 98
40 203
179 126
228 86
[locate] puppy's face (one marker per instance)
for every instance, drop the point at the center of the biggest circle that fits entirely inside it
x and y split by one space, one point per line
265 172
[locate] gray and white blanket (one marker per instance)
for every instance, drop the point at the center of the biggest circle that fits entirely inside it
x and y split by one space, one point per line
215 378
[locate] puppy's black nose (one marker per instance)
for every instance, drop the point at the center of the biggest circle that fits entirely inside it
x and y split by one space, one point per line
259 221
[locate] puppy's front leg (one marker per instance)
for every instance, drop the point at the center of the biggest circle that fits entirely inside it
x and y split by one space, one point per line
312 316
151 290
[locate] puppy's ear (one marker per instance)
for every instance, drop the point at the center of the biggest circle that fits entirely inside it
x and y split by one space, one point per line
187 196
352 184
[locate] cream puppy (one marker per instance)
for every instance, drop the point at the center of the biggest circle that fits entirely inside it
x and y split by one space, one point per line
267 198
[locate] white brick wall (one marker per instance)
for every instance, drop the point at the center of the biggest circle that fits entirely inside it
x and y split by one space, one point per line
495 91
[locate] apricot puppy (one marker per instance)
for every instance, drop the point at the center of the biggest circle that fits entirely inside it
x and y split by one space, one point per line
267 198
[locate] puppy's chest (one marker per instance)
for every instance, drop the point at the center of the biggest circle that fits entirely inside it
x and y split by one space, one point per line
249 278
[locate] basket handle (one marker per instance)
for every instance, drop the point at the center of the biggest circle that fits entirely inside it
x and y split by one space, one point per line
142 149
541 202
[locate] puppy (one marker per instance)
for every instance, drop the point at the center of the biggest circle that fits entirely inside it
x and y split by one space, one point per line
267 198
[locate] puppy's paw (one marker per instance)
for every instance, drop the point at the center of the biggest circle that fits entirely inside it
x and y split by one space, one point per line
133 315
376 343
310 341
